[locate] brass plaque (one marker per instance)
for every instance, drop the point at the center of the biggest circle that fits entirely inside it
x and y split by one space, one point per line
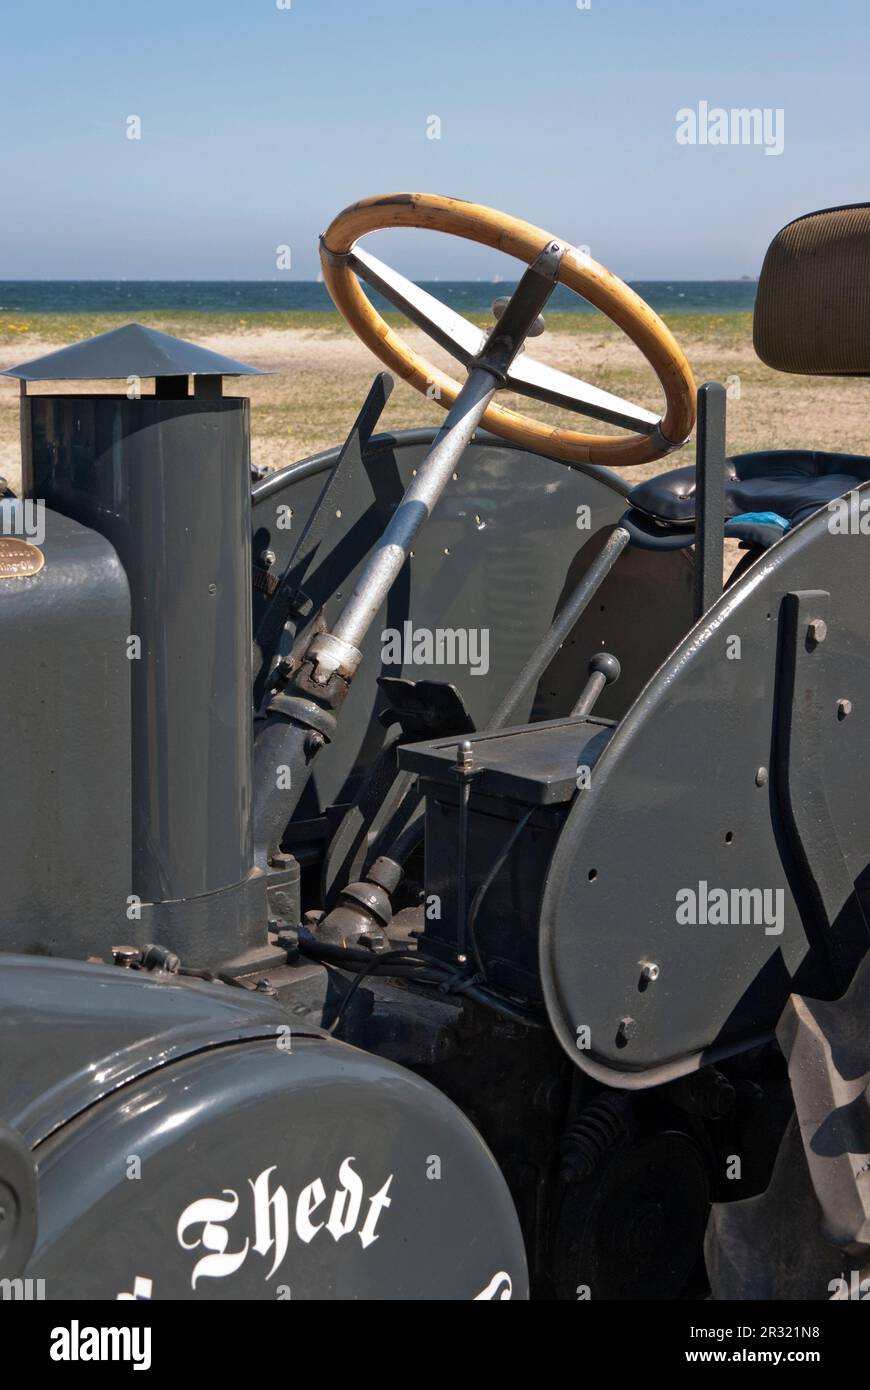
19 559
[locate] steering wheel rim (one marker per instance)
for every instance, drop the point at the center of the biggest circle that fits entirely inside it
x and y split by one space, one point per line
524 241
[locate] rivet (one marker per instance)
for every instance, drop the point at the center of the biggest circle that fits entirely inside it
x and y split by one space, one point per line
761 777
844 708
817 630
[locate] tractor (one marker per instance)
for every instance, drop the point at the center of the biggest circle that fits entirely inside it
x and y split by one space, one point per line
425 877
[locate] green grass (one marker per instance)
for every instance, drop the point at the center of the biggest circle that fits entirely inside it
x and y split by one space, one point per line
727 329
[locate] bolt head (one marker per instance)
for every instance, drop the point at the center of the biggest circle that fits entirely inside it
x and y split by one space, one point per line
844 709
650 971
761 777
126 955
465 754
817 630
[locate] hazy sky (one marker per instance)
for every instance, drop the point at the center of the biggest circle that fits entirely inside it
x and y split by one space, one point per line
259 123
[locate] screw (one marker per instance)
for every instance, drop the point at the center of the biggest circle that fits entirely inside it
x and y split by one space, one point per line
126 955
650 971
817 630
844 708
761 777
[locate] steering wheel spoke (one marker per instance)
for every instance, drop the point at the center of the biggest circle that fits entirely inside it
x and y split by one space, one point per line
445 327
543 383
346 265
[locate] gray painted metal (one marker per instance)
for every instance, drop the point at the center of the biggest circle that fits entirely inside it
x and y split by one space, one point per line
291 727
65 697
535 764
386 561
107 1026
676 804
709 496
223 1103
315 1163
19 1201
840 922
501 553
566 619
167 482
133 350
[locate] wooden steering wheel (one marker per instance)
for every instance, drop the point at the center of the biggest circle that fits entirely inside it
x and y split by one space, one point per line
345 264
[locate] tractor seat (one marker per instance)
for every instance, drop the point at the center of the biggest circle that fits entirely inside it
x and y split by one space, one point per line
766 493
811 316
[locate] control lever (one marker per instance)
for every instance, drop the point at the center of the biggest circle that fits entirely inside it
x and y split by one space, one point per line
604 669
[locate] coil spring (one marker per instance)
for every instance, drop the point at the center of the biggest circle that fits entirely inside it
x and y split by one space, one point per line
596 1129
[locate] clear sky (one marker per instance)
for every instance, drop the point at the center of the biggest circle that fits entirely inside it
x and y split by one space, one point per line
259 123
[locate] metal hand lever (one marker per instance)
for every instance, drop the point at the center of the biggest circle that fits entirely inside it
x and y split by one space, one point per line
604 669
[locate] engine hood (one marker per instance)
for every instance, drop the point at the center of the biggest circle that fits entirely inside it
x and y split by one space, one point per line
72 1032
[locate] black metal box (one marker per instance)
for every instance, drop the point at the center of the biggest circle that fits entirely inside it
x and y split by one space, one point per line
519 784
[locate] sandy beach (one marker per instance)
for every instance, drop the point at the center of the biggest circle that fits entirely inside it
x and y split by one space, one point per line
320 372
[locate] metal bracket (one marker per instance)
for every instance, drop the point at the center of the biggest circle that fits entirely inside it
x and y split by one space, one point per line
709 497
507 336
842 930
287 597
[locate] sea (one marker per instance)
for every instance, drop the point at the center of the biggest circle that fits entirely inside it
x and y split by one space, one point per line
287 296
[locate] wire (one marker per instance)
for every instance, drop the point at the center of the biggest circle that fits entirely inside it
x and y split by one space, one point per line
408 965
487 883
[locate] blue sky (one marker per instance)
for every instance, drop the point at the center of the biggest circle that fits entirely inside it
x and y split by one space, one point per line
259 123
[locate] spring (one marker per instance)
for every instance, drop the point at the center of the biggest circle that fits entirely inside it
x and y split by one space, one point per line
596 1129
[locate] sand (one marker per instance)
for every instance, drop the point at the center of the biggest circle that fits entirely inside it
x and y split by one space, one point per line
321 375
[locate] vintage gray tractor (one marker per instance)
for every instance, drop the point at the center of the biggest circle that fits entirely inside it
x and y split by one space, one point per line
422 880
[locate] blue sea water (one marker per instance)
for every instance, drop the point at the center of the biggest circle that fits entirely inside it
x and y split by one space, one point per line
269 296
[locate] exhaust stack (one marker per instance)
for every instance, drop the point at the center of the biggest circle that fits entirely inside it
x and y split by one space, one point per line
166 479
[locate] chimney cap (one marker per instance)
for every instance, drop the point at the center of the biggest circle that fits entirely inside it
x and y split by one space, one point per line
133 350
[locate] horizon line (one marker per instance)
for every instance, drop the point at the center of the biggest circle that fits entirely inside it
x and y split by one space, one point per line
249 280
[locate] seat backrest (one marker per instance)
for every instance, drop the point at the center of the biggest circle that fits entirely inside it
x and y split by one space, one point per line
812 310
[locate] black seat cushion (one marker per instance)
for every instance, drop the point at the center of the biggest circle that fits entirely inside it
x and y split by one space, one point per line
793 483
